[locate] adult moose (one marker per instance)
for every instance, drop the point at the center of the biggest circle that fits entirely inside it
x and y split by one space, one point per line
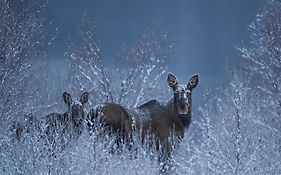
69 124
167 123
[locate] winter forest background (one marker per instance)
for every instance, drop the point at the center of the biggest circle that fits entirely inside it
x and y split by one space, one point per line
236 127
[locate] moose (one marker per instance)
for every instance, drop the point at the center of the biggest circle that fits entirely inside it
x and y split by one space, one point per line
68 124
166 124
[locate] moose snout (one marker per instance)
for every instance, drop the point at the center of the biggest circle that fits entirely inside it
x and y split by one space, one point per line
183 106
77 113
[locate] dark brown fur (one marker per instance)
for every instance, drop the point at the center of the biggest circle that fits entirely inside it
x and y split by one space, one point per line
114 117
163 124
167 123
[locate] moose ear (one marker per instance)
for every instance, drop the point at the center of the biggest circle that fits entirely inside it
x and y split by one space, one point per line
193 82
84 97
67 98
172 80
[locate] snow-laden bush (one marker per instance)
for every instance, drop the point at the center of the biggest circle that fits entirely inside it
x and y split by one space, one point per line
238 131
92 153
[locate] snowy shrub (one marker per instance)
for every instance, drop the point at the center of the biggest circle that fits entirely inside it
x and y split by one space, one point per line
237 132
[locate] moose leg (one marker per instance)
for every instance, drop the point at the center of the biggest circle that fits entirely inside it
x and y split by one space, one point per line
165 157
121 133
166 165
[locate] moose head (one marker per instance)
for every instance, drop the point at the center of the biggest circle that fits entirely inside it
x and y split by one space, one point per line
182 93
75 108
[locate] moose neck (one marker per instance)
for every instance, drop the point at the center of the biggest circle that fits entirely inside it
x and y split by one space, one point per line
173 108
70 118
75 126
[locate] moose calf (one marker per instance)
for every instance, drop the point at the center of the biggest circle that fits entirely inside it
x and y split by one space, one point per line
70 123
